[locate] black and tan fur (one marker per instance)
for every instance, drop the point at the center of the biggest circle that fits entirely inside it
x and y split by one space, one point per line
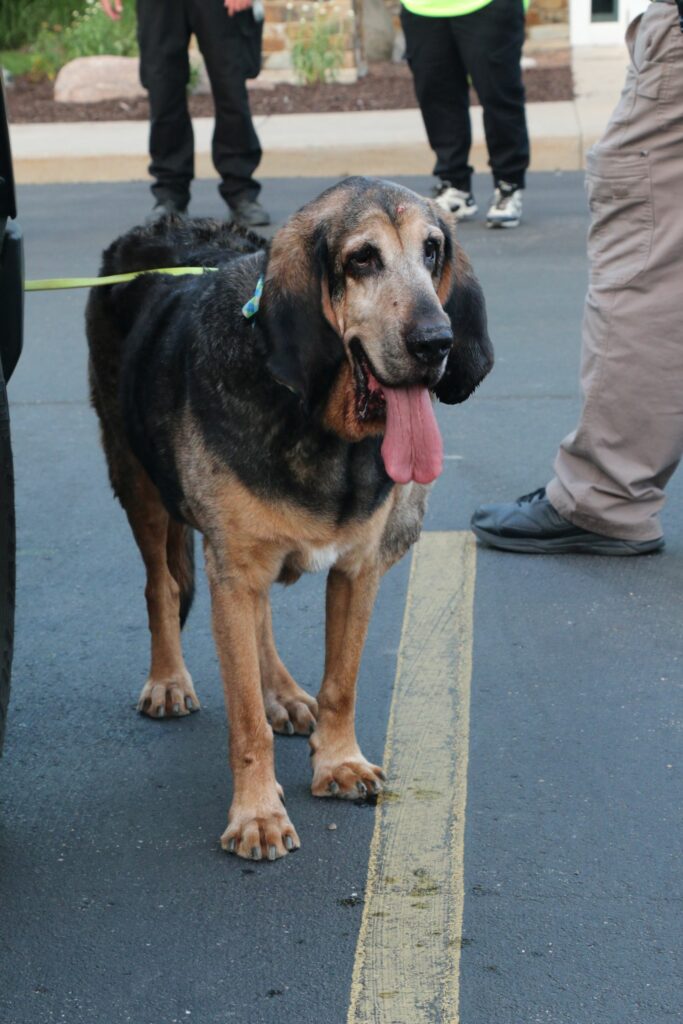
256 433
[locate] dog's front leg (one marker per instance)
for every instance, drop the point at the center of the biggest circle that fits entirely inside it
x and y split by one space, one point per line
258 825
289 709
339 768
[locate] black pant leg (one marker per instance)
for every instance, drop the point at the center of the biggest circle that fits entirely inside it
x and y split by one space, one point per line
228 45
442 91
163 37
490 42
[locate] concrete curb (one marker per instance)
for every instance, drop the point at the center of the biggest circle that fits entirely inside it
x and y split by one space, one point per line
306 145
385 142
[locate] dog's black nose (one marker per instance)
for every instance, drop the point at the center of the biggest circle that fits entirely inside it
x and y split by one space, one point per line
430 345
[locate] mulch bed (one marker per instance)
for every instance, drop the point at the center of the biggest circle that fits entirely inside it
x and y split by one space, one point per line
385 87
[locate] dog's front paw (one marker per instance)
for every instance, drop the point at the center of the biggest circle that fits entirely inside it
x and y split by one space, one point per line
259 834
290 709
174 697
350 777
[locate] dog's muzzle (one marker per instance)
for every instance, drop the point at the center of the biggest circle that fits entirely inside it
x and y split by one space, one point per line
430 345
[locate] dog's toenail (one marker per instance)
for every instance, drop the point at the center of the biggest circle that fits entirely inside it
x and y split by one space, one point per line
289 728
333 788
176 709
256 853
311 729
289 843
362 788
188 704
160 712
231 845
272 853
382 775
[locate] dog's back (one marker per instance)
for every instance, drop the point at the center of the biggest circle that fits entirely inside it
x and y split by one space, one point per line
113 309
169 242
178 242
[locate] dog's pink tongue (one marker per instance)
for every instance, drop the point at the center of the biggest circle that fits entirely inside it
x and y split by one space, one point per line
412 448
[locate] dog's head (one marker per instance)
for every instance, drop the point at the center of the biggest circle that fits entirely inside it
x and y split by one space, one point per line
370 306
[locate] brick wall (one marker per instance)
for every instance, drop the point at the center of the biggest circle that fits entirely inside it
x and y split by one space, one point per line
286 20
548 12
541 12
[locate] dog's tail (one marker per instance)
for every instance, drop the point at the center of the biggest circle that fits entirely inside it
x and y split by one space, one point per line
180 558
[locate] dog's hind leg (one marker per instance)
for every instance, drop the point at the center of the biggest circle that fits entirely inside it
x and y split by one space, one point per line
339 768
164 547
180 558
289 709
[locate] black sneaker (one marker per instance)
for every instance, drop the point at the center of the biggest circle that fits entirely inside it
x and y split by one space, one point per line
248 213
532 526
166 206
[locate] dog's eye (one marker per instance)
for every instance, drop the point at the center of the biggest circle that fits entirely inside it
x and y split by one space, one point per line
431 252
363 259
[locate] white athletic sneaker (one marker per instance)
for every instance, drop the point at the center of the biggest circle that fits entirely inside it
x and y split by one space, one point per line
505 210
454 200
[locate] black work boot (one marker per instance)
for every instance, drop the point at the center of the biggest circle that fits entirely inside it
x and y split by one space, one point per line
531 525
248 212
166 205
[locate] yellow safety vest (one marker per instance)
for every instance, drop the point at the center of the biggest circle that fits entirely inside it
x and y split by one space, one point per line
447 8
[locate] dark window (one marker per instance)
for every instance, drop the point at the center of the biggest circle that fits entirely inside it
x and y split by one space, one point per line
604 10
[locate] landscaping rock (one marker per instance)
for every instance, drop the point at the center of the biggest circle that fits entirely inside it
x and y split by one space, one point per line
93 79
386 87
378 31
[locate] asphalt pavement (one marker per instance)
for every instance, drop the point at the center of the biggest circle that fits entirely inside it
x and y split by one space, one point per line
116 902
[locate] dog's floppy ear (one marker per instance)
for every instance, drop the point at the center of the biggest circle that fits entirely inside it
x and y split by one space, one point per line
461 296
305 349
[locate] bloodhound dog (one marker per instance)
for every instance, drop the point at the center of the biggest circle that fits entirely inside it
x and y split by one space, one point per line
282 406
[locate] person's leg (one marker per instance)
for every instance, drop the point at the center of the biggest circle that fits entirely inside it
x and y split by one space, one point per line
490 43
163 37
226 44
442 92
612 470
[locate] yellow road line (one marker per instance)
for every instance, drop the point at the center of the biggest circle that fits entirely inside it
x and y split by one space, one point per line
407 962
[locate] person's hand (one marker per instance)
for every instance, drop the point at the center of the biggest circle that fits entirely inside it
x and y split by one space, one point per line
231 6
112 8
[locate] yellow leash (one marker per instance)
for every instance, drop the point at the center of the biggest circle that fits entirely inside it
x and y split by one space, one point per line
54 283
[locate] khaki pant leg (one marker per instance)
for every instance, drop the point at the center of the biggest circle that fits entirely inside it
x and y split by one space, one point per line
612 470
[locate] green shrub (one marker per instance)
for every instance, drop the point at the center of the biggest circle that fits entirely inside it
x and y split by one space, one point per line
318 46
21 20
90 33
17 62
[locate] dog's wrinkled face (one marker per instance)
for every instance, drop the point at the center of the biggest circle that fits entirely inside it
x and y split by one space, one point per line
385 303
367 291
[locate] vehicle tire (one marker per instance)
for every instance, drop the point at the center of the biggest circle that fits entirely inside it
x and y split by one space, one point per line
7 557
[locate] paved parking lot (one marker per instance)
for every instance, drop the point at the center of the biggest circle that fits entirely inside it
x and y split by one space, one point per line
526 866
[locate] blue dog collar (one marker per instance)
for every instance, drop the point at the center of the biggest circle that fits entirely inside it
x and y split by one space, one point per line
250 308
